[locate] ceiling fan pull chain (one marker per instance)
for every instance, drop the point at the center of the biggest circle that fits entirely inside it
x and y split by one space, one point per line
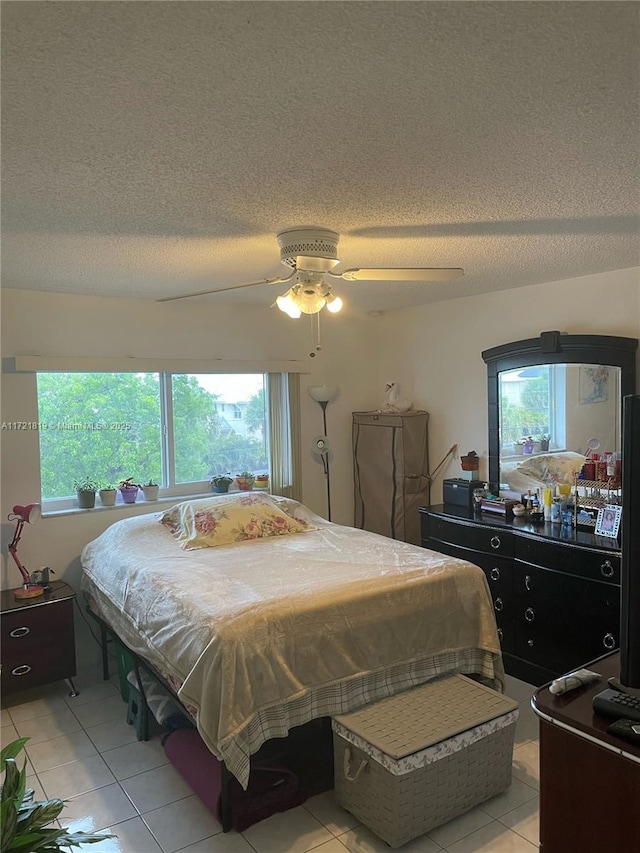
315 335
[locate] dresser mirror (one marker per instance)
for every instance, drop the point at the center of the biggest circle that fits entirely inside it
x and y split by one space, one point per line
556 398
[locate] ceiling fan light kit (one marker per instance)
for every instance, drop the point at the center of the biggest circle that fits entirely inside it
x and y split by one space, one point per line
309 296
311 254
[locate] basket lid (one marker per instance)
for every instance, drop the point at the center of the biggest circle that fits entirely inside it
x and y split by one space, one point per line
408 722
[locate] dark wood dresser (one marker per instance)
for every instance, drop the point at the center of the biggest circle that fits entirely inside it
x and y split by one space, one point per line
555 590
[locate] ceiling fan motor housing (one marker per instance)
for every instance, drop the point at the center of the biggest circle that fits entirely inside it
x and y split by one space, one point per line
312 249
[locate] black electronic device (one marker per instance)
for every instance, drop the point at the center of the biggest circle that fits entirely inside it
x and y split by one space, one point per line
630 570
616 704
459 492
626 729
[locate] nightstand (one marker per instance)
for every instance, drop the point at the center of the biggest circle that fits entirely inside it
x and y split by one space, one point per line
38 639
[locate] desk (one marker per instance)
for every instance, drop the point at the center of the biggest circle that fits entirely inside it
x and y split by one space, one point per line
589 780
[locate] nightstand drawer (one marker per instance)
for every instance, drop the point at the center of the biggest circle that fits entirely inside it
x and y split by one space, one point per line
39 666
35 627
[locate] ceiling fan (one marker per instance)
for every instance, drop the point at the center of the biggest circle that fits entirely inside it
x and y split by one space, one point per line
311 254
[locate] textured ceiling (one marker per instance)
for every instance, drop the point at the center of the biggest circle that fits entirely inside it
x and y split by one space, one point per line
157 148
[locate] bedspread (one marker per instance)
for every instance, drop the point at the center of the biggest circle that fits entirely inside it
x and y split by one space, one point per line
251 628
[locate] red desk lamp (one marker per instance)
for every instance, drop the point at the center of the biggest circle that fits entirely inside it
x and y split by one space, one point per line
21 514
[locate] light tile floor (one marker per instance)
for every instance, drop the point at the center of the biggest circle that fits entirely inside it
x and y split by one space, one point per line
82 749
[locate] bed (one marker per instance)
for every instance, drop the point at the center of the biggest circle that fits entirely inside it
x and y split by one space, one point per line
294 619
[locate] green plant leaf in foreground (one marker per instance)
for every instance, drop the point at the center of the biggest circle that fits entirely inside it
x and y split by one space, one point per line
24 821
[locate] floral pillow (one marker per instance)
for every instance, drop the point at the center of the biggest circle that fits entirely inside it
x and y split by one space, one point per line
224 520
553 467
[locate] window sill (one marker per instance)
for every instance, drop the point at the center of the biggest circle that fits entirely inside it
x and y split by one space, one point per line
148 505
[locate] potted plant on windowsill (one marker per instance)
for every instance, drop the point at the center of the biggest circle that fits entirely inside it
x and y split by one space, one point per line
261 481
544 440
150 490
108 494
245 481
128 490
29 824
86 491
221 483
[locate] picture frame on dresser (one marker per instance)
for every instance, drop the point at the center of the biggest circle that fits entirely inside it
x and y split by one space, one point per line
608 521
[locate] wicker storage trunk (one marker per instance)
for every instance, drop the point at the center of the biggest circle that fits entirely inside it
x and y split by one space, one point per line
415 760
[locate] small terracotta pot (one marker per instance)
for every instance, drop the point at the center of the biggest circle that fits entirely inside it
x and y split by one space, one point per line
245 484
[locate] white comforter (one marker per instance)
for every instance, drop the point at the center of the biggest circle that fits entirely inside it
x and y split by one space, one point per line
251 626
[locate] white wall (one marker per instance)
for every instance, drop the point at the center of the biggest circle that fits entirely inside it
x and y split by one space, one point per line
433 352
436 350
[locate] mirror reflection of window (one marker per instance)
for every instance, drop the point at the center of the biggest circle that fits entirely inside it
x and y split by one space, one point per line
557 403
529 400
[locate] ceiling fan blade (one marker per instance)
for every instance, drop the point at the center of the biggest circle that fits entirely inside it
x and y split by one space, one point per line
401 274
278 280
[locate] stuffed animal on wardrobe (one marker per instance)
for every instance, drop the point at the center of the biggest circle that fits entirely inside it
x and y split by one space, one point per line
393 402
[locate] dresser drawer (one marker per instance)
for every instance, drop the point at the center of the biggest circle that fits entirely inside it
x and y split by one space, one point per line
563 619
490 540
586 563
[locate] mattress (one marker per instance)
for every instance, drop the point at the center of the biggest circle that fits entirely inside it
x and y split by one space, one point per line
260 636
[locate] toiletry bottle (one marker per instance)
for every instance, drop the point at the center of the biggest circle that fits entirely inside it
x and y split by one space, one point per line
611 464
547 501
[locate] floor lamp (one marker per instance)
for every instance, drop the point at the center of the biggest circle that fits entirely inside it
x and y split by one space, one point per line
323 395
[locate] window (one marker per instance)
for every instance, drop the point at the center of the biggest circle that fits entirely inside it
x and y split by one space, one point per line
177 429
533 403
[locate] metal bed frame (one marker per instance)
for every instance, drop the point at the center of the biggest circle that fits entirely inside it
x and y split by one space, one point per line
106 634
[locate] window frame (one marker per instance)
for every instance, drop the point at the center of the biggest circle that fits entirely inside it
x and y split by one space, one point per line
168 489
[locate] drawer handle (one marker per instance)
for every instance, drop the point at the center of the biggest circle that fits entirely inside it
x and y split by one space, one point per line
606 569
500 634
19 632
529 614
527 583
530 643
21 670
609 641
495 542
498 604
495 574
